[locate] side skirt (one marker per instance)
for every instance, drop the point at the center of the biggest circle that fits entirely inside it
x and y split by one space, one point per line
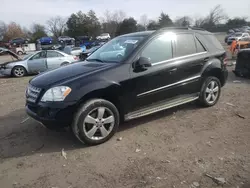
161 106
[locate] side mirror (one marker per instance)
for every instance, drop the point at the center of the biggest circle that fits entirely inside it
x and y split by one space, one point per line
143 63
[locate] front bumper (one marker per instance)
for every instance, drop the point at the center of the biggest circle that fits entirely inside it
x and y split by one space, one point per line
5 71
52 113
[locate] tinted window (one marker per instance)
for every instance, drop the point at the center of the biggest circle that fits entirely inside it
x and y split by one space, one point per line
51 54
210 42
185 45
159 49
199 46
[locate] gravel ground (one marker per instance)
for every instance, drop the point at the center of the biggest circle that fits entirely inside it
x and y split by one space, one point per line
173 148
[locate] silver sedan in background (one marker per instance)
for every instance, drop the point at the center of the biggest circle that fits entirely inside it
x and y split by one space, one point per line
35 63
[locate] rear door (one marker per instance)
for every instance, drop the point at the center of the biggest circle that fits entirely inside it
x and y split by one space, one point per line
190 57
54 59
37 63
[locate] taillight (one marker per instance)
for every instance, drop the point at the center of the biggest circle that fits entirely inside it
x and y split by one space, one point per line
76 58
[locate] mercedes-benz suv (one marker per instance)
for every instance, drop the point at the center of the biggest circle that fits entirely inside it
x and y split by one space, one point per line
131 76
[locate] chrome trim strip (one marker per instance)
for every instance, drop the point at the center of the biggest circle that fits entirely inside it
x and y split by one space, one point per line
170 85
177 58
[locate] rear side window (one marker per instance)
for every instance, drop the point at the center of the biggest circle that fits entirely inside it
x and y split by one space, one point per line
210 41
159 49
185 45
51 54
199 46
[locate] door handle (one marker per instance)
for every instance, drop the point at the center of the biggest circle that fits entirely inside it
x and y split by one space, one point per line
172 70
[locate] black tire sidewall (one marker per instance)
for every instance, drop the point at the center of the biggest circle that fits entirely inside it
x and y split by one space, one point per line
13 71
203 91
85 109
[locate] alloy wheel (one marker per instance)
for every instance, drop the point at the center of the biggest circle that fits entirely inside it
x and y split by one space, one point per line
212 92
19 72
99 123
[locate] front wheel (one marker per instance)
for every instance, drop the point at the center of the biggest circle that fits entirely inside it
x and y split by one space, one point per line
210 91
96 122
19 71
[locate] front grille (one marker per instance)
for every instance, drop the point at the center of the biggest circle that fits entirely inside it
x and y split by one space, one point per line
32 93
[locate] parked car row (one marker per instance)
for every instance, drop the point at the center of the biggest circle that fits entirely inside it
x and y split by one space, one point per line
236 36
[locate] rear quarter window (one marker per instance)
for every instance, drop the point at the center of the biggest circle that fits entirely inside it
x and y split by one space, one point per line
210 41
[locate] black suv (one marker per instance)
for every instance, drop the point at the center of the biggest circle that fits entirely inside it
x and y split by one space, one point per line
129 77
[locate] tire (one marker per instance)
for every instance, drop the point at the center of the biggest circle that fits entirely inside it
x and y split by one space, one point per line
19 53
210 91
18 71
94 108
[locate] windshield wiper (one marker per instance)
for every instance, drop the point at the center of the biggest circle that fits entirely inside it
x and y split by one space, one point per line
99 60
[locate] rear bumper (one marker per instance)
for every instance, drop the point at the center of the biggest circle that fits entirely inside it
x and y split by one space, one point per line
53 113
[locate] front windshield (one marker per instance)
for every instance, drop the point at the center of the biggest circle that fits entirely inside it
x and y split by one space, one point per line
117 49
238 34
27 56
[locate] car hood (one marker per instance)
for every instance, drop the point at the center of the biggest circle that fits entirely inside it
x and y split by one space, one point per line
12 54
68 73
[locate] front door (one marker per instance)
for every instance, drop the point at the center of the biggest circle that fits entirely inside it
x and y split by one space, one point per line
54 59
37 63
154 84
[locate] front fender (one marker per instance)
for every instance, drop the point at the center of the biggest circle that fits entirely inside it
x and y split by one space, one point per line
98 88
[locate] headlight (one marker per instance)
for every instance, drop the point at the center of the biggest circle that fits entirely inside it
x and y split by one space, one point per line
56 94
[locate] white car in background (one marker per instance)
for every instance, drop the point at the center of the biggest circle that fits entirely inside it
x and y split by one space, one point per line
35 63
104 36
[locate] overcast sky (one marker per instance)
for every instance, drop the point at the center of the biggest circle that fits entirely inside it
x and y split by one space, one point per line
26 12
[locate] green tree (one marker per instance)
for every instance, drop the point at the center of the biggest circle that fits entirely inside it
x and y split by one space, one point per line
165 21
83 24
236 22
56 26
127 26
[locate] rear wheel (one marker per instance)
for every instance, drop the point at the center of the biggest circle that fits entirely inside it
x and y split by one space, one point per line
210 91
19 71
96 122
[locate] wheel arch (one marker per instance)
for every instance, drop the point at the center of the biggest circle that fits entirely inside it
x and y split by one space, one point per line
110 92
26 72
213 68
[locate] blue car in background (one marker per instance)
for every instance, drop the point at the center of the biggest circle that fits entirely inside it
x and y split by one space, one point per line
45 40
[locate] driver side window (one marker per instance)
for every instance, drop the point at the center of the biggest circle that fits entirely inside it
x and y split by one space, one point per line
39 55
159 49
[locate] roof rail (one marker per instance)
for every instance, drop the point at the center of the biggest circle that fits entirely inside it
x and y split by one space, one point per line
182 28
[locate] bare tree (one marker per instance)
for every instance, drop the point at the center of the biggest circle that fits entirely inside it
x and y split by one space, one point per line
183 21
111 20
56 26
216 15
13 30
3 30
199 22
144 21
